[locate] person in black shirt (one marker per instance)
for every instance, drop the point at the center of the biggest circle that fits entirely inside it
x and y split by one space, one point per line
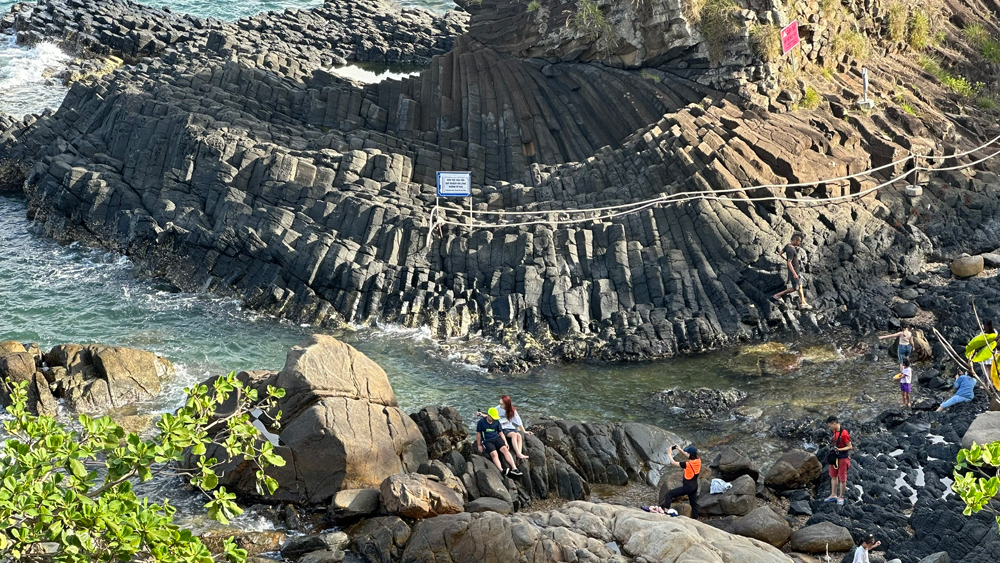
795 275
490 439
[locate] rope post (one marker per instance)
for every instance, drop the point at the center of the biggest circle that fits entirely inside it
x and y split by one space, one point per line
470 211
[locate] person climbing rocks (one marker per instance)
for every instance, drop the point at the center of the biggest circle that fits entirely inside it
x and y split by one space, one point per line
689 486
867 544
795 275
511 425
964 385
490 439
905 345
905 377
839 460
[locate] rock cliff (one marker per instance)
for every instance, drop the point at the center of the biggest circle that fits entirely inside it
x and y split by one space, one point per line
230 157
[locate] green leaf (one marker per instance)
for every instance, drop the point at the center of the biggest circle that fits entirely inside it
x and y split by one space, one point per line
77 469
980 348
209 481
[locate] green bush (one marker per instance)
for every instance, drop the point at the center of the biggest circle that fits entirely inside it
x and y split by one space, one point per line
919 30
896 18
765 40
720 25
811 99
534 5
957 84
976 34
73 489
980 38
986 103
650 76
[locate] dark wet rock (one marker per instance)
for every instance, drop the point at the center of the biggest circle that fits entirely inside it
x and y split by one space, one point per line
906 310
488 504
702 402
731 463
442 427
800 508
323 556
380 540
939 557
793 470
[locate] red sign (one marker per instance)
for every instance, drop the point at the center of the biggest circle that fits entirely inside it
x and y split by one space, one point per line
789 37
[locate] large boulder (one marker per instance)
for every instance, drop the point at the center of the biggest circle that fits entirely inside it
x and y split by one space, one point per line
763 524
922 351
96 379
822 538
737 501
985 429
412 495
966 266
580 531
731 463
19 367
341 427
442 427
939 557
298 546
794 470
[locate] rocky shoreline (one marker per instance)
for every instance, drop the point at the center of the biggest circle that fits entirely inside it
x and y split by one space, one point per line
394 483
227 156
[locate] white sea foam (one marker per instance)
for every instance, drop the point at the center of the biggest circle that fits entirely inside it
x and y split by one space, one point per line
27 77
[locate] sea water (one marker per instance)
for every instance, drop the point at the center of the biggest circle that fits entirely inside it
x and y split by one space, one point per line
27 85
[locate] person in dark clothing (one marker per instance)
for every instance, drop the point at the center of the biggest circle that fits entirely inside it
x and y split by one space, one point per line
689 486
795 275
491 441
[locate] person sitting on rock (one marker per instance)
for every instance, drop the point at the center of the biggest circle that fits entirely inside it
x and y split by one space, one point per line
905 345
840 462
490 438
867 544
689 486
964 385
510 423
795 276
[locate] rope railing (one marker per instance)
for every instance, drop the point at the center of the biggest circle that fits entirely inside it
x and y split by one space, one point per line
439 217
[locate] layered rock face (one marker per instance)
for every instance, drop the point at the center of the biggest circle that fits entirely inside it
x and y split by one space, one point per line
230 158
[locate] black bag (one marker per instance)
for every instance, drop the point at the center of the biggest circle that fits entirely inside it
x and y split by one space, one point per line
831 458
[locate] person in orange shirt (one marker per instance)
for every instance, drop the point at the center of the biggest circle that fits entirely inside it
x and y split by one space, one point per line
689 486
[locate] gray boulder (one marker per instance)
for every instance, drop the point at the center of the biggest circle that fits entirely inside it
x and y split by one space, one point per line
985 429
794 470
939 557
488 504
764 525
731 463
442 427
102 378
380 540
822 537
737 501
298 546
351 503
324 556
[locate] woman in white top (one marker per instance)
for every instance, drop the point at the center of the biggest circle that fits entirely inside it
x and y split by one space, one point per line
867 544
510 423
905 343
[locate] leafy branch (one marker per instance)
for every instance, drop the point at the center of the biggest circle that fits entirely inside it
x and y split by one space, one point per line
73 489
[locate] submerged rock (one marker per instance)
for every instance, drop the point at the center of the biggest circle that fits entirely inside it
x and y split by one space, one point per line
702 402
